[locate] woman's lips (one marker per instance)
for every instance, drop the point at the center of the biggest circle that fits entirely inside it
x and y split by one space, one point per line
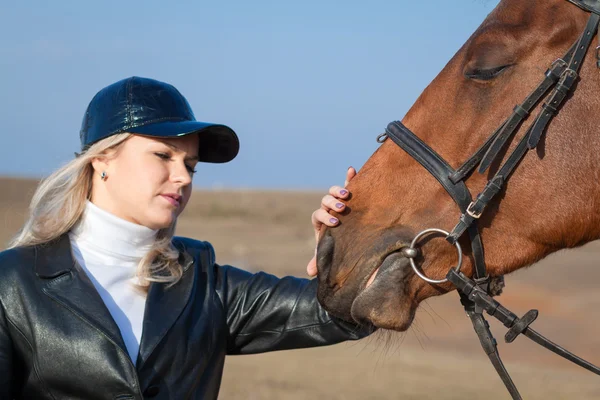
174 200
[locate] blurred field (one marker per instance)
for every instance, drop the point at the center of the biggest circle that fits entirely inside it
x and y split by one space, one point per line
439 358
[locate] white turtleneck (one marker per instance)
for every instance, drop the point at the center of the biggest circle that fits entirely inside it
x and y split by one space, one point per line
109 250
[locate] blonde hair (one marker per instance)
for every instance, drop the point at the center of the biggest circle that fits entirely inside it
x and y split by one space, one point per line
59 202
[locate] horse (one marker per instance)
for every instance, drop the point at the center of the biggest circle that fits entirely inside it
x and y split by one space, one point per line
382 261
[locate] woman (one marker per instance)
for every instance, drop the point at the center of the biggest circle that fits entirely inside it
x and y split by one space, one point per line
98 300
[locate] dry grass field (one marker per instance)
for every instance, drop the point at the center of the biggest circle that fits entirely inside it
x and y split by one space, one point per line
439 358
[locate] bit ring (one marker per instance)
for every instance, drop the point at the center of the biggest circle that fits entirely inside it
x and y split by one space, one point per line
412 260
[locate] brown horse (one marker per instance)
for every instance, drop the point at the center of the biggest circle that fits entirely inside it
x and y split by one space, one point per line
552 200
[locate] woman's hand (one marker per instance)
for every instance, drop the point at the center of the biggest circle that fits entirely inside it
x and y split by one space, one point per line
331 202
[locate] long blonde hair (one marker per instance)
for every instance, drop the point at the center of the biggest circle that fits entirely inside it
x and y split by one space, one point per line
59 202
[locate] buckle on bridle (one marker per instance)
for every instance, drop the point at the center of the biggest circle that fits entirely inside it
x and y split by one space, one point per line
472 213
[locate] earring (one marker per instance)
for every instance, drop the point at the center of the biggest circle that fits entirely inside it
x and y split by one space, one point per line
103 175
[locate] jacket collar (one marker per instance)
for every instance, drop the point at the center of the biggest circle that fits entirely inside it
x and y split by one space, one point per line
69 286
164 305
54 258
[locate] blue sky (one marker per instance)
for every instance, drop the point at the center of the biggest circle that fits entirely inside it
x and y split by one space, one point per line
307 85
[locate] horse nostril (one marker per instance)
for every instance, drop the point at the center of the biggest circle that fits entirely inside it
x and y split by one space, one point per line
325 252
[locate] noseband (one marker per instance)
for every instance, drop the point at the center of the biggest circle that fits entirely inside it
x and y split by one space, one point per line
477 294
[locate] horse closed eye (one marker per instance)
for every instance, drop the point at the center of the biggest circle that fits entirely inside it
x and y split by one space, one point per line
485 74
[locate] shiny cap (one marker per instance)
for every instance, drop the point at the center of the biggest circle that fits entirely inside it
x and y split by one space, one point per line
153 108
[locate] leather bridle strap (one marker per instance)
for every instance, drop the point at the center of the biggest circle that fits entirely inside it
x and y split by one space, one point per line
592 6
475 293
475 300
496 141
442 171
521 111
533 135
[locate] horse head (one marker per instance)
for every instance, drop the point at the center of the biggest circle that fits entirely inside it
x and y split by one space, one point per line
550 202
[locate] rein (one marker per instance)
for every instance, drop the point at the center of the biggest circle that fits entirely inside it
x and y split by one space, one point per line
476 294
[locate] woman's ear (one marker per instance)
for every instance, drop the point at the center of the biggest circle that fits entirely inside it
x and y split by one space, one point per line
100 164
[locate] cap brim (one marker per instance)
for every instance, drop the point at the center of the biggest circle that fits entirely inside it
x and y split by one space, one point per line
218 143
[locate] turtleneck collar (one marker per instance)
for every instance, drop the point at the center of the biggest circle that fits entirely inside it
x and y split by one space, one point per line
110 234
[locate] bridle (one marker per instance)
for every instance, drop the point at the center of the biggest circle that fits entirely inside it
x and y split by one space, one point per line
476 294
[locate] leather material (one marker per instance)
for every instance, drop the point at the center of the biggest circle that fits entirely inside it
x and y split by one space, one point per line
550 107
442 171
58 339
491 189
468 166
521 111
476 295
564 86
476 301
562 76
520 326
429 159
488 343
588 5
552 75
150 107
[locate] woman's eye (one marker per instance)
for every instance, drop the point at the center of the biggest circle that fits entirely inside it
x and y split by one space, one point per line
163 156
191 170
167 157
485 74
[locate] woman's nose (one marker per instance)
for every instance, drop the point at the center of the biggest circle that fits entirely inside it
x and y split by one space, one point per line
181 175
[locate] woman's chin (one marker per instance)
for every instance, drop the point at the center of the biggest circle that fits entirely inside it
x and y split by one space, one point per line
161 223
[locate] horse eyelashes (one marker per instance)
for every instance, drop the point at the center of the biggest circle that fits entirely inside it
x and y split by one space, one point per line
485 74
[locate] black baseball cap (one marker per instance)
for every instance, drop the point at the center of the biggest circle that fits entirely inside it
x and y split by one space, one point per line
153 108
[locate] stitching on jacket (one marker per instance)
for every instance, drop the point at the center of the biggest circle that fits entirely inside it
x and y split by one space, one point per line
33 353
60 278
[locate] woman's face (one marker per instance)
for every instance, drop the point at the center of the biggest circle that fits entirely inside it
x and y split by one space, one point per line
148 180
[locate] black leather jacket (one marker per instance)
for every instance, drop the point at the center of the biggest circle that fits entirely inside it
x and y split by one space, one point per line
59 341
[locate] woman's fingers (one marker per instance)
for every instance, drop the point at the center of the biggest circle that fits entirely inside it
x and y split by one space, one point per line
331 203
311 268
351 173
322 217
339 192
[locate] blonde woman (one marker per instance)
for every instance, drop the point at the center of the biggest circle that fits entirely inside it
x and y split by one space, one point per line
98 300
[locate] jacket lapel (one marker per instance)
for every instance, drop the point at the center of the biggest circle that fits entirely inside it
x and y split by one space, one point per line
68 285
163 307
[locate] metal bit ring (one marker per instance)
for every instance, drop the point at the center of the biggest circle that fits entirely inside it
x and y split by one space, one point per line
412 260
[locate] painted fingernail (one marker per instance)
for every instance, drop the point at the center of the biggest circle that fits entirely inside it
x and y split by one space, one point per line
339 205
333 220
343 192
